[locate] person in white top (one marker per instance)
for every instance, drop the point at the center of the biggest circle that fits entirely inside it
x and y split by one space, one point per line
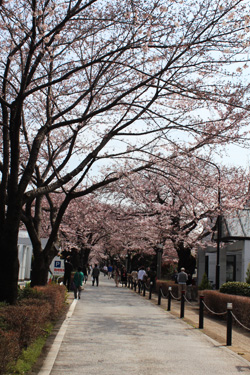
141 276
141 273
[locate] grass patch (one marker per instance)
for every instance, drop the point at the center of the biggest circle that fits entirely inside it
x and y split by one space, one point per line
30 355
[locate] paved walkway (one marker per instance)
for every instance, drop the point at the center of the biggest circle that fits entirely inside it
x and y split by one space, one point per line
114 331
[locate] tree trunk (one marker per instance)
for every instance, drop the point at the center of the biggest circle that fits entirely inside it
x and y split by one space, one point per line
186 260
9 266
40 265
40 269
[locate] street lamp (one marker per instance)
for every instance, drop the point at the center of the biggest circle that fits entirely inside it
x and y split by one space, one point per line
218 236
217 272
219 217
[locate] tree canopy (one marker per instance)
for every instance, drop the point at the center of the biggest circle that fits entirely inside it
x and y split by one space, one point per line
86 84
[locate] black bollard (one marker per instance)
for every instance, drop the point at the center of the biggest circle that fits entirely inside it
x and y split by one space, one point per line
144 289
135 286
150 290
182 303
159 296
169 298
229 324
201 313
132 284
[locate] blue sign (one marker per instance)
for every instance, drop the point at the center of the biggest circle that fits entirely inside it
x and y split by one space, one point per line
57 264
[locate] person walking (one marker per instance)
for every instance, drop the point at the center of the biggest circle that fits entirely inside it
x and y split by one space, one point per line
110 271
95 275
85 272
117 276
77 283
182 281
68 268
141 277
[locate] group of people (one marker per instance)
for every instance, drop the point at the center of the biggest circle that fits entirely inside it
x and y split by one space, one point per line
80 277
118 273
185 282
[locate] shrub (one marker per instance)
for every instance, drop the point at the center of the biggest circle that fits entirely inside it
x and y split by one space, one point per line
205 283
236 288
9 348
22 324
56 296
217 302
248 274
29 292
165 285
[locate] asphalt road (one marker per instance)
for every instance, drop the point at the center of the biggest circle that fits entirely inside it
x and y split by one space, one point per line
113 331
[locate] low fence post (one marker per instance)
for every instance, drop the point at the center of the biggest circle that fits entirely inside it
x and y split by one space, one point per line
182 303
159 296
229 323
201 313
144 289
169 298
150 290
135 286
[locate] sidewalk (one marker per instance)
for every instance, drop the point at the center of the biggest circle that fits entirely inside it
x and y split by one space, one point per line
114 330
213 327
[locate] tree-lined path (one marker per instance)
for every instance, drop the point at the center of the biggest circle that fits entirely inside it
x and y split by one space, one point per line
114 331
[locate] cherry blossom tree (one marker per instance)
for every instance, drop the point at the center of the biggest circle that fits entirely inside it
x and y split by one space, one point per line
92 83
176 204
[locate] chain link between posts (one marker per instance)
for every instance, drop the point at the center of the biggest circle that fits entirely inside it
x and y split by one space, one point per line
241 324
190 303
213 312
176 298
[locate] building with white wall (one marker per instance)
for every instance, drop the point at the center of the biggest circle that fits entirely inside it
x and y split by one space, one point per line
234 251
25 252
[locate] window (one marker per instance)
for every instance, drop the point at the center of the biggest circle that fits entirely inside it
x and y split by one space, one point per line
231 268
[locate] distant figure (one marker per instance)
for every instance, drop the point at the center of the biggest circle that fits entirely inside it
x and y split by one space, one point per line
182 281
84 270
105 270
110 271
95 275
151 276
175 276
134 275
141 276
124 277
77 283
68 268
117 276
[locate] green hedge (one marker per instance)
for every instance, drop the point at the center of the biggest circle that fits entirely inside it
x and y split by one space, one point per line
237 288
217 302
23 323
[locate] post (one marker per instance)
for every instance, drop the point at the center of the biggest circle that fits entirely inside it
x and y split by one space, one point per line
182 303
229 324
139 287
201 313
169 298
144 289
159 296
150 290
135 286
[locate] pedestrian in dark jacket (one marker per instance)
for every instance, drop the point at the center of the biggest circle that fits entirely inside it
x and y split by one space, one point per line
68 268
95 275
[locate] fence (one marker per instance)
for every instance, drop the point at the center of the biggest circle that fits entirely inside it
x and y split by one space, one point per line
142 288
